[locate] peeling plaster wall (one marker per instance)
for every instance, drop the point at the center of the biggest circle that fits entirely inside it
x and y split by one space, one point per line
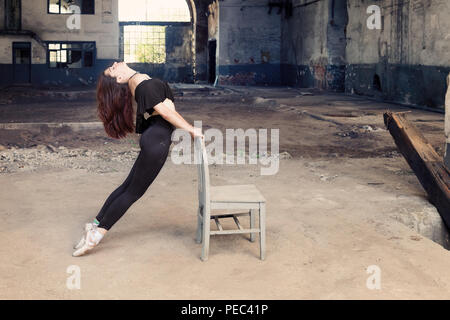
410 54
37 52
201 39
213 20
327 44
53 27
103 28
249 43
313 44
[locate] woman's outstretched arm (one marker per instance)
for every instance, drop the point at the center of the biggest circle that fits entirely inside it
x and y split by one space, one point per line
167 110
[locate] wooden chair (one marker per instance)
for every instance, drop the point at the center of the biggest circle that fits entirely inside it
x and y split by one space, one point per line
231 197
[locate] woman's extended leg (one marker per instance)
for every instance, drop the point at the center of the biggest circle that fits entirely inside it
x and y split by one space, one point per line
116 192
155 143
109 200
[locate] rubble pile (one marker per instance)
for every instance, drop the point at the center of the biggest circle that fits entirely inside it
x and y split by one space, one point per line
48 156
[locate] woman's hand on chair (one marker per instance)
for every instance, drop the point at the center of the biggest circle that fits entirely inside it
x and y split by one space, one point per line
196 132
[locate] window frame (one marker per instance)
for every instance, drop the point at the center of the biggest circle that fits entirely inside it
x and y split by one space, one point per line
68 13
94 55
123 24
146 45
7 17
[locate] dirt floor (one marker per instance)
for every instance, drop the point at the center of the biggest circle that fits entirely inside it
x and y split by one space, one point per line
335 207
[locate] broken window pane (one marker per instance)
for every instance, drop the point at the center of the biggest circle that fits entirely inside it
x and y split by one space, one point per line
75 58
88 59
53 6
53 60
71 55
63 55
88 46
63 6
88 7
75 46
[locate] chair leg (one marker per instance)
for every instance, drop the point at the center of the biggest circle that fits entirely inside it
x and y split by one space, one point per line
262 227
199 226
206 225
252 224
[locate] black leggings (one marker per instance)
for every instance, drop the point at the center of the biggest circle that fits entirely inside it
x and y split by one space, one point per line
154 142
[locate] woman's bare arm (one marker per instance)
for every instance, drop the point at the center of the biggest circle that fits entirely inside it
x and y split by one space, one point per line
167 110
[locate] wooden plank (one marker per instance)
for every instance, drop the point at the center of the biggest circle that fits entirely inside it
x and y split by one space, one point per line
234 231
229 215
236 193
423 160
198 239
447 125
262 227
234 205
252 223
237 222
219 226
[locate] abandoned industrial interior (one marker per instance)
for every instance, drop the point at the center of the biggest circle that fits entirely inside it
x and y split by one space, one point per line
351 95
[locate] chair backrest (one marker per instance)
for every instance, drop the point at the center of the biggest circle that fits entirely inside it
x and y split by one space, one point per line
203 172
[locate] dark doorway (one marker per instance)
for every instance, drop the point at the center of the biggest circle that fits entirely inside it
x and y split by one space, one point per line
212 47
377 83
22 62
13 14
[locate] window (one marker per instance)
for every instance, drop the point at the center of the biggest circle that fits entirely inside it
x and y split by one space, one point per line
62 6
144 27
71 54
13 15
145 44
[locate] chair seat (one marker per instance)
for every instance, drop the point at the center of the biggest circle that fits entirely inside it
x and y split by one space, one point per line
236 193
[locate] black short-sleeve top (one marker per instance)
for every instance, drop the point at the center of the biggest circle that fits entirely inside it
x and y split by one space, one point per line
148 94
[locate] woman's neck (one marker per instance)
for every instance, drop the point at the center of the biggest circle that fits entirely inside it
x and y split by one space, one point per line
134 81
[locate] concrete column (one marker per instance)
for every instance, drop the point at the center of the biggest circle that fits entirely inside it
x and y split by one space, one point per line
447 124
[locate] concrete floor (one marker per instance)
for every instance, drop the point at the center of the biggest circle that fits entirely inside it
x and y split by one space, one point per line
342 203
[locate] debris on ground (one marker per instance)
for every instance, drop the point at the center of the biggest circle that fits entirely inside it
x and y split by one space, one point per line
327 178
259 101
106 160
305 94
285 155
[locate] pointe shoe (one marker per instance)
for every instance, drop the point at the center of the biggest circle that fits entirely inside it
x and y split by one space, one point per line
87 227
92 239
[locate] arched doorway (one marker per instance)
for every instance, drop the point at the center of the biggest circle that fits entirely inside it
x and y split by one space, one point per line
158 37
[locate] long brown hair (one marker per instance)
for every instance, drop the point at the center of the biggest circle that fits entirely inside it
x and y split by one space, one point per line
115 107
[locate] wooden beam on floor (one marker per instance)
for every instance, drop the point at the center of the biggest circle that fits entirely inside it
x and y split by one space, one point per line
423 160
